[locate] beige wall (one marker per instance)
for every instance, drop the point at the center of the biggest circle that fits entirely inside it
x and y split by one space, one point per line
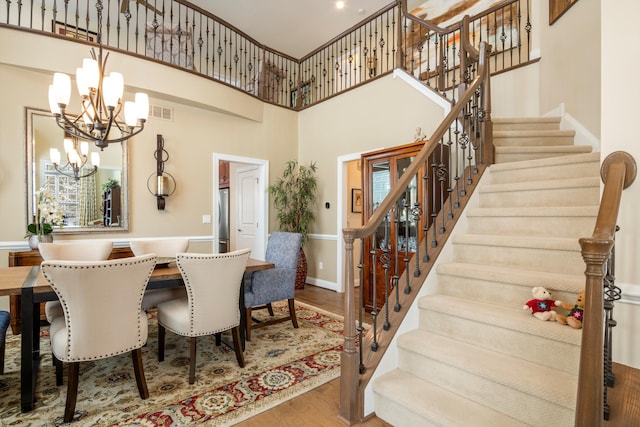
208 118
570 64
384 113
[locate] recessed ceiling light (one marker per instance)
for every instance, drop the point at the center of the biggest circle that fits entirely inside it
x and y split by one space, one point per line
340 4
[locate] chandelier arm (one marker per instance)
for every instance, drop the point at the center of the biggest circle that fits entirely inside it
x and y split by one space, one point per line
76 172
73 129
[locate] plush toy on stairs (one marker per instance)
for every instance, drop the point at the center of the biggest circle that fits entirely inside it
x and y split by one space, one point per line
541 305
576 313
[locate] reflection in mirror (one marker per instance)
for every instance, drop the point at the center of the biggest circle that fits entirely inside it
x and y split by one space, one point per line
95 203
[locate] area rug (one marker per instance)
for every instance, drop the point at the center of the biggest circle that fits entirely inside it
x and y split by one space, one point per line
281 362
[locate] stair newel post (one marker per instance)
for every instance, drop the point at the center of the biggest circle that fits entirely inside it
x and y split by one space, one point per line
349 361
399 45
360 328
590 404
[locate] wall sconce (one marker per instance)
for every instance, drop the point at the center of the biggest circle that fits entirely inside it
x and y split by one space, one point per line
165 184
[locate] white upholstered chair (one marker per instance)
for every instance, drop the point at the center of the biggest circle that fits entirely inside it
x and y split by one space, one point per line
101 301
73 250
162 248
211 306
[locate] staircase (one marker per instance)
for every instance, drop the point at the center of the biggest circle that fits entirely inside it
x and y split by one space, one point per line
478 358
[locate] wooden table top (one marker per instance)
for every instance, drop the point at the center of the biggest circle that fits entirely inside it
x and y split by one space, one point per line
12 278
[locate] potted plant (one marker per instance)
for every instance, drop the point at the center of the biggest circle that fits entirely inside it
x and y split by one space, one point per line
48 214
294 195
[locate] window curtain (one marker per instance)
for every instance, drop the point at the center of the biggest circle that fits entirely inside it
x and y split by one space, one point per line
89 211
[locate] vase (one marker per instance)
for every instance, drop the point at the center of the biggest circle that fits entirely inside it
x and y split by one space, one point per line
34 241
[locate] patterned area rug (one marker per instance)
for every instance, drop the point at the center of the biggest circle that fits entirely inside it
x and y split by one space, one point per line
281 362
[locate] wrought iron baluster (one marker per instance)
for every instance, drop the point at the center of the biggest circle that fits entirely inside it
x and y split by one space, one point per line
396 266
385 259
374 310
612 293
360 327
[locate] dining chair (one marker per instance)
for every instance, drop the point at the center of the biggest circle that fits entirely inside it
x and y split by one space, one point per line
103 316
165 250
5 319
76 250
211 306
277 284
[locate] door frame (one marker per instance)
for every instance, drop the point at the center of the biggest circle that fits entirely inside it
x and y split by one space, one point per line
263 202
343 196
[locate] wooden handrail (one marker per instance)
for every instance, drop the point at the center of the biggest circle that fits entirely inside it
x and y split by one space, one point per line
618 172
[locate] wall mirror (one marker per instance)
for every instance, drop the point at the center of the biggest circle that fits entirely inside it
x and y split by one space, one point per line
98 203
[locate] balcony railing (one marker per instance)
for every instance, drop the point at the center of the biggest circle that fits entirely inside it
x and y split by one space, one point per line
180 34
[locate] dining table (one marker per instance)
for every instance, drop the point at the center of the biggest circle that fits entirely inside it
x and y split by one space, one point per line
30 284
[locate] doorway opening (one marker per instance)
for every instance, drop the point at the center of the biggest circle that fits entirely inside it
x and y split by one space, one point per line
260 207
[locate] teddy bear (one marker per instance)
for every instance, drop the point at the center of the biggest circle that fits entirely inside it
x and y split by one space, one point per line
541 305
575 315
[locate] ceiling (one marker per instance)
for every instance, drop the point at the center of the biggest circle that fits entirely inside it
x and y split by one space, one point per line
292 27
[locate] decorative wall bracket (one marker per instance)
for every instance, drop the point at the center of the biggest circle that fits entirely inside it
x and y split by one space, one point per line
165 184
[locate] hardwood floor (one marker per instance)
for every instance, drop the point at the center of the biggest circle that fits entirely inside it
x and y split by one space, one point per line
320 406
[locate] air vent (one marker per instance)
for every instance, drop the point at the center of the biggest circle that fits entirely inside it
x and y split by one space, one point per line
159 112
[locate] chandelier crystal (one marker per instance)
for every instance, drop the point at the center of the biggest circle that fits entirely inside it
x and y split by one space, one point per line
101 101
76 159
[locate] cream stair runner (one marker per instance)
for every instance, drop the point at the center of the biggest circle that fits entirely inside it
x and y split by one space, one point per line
478 358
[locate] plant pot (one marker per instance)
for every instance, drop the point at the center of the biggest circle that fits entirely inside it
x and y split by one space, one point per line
34 241
301 271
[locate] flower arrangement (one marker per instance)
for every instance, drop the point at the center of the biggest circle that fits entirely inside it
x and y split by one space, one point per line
48 215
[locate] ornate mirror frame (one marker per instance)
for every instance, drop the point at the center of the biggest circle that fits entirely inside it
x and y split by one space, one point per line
31 116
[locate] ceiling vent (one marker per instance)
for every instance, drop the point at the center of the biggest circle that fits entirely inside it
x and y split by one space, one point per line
159 112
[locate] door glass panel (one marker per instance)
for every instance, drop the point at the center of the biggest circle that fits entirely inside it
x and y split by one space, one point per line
407 232
380 187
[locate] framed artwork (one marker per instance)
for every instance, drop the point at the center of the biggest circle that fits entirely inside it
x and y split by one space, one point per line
356 200
558 7
74 32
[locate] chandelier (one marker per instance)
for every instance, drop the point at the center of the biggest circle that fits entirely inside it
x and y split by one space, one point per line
76 159
101 105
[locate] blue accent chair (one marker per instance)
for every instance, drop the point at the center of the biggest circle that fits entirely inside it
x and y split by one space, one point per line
5 318
268 286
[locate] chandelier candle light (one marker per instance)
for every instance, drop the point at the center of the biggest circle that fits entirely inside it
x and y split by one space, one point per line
101 101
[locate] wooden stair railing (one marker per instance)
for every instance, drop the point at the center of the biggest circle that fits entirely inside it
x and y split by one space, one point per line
618 171
469 124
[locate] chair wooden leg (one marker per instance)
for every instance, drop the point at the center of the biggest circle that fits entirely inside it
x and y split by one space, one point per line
248 323
218 339
292 313
161 333
58 365
192 359
72 391
237 346
2 360
138 368
270 309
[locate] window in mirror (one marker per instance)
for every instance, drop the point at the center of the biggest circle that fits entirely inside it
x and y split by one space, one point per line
82 200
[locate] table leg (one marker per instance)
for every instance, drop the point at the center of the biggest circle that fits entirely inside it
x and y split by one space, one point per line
30 350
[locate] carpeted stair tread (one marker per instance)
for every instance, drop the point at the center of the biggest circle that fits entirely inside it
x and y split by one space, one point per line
535 242
532 133
559 149
533 379
551 161
544 211
515 319
542 185
435 405
553 281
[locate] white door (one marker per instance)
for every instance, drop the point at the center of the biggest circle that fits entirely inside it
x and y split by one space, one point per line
248 212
